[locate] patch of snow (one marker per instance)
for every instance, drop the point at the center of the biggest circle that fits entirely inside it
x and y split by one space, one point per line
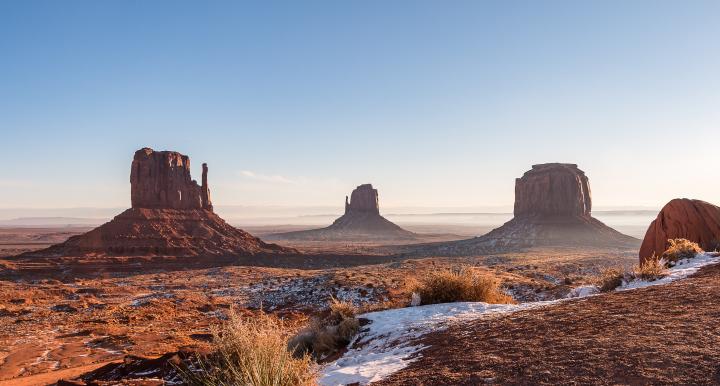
415 299
145 299
583 291
389 342
682 269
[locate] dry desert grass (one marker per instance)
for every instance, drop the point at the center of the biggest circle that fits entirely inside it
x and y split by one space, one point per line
251 351
325 336
649 270
681 249
460 284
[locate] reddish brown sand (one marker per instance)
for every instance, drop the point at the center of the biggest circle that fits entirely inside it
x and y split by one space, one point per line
57 315
658 335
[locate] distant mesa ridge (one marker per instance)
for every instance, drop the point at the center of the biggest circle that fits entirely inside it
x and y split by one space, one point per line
552 208
361 221
171 215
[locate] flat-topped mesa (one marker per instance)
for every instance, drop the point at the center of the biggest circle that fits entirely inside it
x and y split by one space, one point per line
552 208
553 190
364 199
161 180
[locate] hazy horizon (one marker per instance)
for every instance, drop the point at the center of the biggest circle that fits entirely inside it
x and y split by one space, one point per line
437 105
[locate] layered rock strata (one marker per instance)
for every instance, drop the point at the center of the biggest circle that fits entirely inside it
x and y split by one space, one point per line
171 215
552 208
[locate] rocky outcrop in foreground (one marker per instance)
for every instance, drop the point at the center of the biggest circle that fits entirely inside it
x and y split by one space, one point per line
171 215
682 218
552 208
361 221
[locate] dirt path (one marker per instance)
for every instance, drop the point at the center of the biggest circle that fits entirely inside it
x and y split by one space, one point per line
52 377
658 335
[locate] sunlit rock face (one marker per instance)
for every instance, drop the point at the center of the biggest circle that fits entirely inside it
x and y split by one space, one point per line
161 180
171 215
552 189
682 218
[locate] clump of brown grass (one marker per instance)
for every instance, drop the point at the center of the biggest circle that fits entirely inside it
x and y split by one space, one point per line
251 351
460 284
680 249
329 333
611 278
651 269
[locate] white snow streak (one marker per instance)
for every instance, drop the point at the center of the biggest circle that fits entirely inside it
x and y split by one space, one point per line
388 344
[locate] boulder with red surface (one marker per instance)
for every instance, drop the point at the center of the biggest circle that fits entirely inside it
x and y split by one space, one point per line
682 218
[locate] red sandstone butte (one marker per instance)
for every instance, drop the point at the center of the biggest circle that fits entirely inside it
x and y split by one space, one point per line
552 208
171 215
361 221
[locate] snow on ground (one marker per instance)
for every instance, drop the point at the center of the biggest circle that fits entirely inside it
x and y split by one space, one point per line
389 344
682 268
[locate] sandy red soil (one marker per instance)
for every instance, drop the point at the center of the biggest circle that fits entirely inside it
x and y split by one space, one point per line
57 315
658 335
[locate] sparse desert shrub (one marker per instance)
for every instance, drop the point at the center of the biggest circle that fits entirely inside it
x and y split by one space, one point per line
460 284
611 278
651 269
681 249
251 351
327 334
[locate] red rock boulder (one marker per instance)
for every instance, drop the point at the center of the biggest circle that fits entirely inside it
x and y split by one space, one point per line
683 218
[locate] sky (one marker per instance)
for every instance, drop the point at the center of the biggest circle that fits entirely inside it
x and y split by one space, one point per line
436 103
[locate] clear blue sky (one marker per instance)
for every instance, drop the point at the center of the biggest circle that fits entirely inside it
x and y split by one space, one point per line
295 103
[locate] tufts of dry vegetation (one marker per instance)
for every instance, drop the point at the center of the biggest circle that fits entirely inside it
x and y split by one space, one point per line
460 284
680 249
251 351
651 269
612 278
328 334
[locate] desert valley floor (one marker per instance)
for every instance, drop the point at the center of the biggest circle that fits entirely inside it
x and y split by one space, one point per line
55 323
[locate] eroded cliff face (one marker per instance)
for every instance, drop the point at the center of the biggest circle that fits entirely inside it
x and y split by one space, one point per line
363 199
161 180
171 215
552 190
682 218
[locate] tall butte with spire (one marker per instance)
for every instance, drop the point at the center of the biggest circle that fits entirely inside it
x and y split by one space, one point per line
361 221
170 215
552 208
